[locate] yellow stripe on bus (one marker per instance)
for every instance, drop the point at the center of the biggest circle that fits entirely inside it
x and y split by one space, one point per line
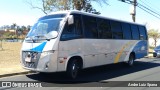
119 55
120 52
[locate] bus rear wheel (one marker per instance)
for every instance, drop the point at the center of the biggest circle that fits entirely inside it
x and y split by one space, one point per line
131 60
72 69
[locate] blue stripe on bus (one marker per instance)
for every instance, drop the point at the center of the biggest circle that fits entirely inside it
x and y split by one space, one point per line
39 48
141 49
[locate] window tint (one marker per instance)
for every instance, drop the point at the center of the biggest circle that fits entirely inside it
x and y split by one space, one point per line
135 32
104 29
90 27
73 31
142 31
116 30
68 32
126 31
78 25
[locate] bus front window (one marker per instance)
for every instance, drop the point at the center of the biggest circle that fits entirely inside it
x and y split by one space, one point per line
44 28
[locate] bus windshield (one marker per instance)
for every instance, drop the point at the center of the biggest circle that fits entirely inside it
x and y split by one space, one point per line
44 27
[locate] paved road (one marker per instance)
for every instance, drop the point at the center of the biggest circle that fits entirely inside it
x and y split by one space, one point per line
143 70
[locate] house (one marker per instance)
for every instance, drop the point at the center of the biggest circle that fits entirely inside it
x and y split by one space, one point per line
11 30
2 32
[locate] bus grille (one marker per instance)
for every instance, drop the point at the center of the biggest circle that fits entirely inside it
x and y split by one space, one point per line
30 59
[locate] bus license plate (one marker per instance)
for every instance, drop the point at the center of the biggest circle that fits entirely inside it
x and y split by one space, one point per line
27 59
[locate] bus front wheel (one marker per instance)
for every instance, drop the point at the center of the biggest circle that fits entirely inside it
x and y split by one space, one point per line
72 69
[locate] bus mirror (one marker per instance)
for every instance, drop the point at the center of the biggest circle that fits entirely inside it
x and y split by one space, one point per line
55 34
70 20
52 34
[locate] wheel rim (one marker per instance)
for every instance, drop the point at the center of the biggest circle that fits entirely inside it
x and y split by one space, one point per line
74 70
131 60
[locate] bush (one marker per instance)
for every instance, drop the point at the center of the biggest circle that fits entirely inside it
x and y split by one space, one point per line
151 47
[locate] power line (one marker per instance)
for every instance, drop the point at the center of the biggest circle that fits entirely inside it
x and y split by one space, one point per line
147 5
144 8
149 12
153 9
152 5
149 9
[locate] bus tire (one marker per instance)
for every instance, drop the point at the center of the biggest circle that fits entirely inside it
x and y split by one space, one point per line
131 60
72 69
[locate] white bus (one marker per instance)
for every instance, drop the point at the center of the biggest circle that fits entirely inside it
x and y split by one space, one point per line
73 40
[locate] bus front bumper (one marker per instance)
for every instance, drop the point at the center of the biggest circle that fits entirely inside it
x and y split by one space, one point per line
47 62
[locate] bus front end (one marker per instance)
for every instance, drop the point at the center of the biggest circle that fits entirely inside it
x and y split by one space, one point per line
39 56
40 48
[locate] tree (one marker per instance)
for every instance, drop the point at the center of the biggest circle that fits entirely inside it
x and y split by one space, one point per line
1 38
152 33
89 8
55 5
28 27
44 8
15 30
24 28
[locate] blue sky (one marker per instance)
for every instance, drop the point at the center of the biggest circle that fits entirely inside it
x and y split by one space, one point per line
18 11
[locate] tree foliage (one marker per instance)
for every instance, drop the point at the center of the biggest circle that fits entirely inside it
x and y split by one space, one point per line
55 5
18 33
155 35
1 38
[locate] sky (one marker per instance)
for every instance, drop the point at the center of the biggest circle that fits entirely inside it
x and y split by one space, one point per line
21 13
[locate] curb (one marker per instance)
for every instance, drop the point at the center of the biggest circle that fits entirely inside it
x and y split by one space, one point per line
148 57
13 74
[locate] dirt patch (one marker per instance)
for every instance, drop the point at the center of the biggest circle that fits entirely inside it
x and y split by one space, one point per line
10 54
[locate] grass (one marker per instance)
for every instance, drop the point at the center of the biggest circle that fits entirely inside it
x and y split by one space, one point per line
10 54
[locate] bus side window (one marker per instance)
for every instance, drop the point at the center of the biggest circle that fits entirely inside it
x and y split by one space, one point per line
90 27
78 25
104 30
73 31
135 32
126 31
68 32
142 31
116 30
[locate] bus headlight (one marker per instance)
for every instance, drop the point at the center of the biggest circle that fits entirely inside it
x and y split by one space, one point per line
47 52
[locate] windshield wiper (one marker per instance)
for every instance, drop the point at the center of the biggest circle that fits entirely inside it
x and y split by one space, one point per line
38 36
50 38
32 38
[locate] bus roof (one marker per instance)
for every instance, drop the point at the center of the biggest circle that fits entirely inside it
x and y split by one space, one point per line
90 14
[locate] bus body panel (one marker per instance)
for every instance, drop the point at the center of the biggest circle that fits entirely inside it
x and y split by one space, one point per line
97 52
67 50
141 49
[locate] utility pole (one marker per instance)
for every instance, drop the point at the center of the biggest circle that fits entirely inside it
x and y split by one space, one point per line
134 10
